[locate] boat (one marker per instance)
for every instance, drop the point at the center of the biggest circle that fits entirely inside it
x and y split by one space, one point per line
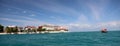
104 30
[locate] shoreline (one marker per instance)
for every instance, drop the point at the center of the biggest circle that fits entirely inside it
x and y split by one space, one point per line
43 32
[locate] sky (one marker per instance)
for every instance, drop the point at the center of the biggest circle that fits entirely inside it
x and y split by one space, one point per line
76 15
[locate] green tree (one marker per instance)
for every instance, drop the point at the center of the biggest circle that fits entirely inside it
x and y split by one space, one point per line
34 29
8 30
29 30
44 29
14 29
1 28
39 28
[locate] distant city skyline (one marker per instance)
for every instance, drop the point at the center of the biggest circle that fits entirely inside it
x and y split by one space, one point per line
77 15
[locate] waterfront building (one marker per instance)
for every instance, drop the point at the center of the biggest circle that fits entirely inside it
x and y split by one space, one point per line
52 29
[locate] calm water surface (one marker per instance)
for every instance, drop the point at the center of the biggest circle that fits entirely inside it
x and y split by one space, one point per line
111 38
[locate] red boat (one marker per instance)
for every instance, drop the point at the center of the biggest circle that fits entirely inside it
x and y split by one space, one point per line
104 30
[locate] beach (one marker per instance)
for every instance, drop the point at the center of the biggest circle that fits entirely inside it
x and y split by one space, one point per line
4 33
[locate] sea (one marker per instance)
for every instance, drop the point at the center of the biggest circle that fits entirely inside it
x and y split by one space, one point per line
111 38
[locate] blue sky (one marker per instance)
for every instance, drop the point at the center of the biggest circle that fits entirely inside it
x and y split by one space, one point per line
77 15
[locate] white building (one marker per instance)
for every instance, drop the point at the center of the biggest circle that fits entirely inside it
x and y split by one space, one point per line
54 28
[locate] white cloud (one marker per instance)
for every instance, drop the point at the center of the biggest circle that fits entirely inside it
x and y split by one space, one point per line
57 18
95 12
27 21
24 11
33 15
97 8
55 7
21 9
81 22
9 9
110 24
113 25
82 18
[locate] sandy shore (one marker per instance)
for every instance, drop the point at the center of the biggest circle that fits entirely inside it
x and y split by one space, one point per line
3 33
35 32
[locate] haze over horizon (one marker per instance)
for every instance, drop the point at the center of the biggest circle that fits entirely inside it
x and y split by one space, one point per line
77 15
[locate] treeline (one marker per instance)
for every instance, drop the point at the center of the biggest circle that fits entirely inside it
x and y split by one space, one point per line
11 29
31 29
1 28
17 29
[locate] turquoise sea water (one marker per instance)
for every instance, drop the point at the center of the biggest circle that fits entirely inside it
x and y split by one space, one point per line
112 38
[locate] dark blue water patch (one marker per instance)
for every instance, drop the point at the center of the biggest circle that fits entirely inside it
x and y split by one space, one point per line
111 38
